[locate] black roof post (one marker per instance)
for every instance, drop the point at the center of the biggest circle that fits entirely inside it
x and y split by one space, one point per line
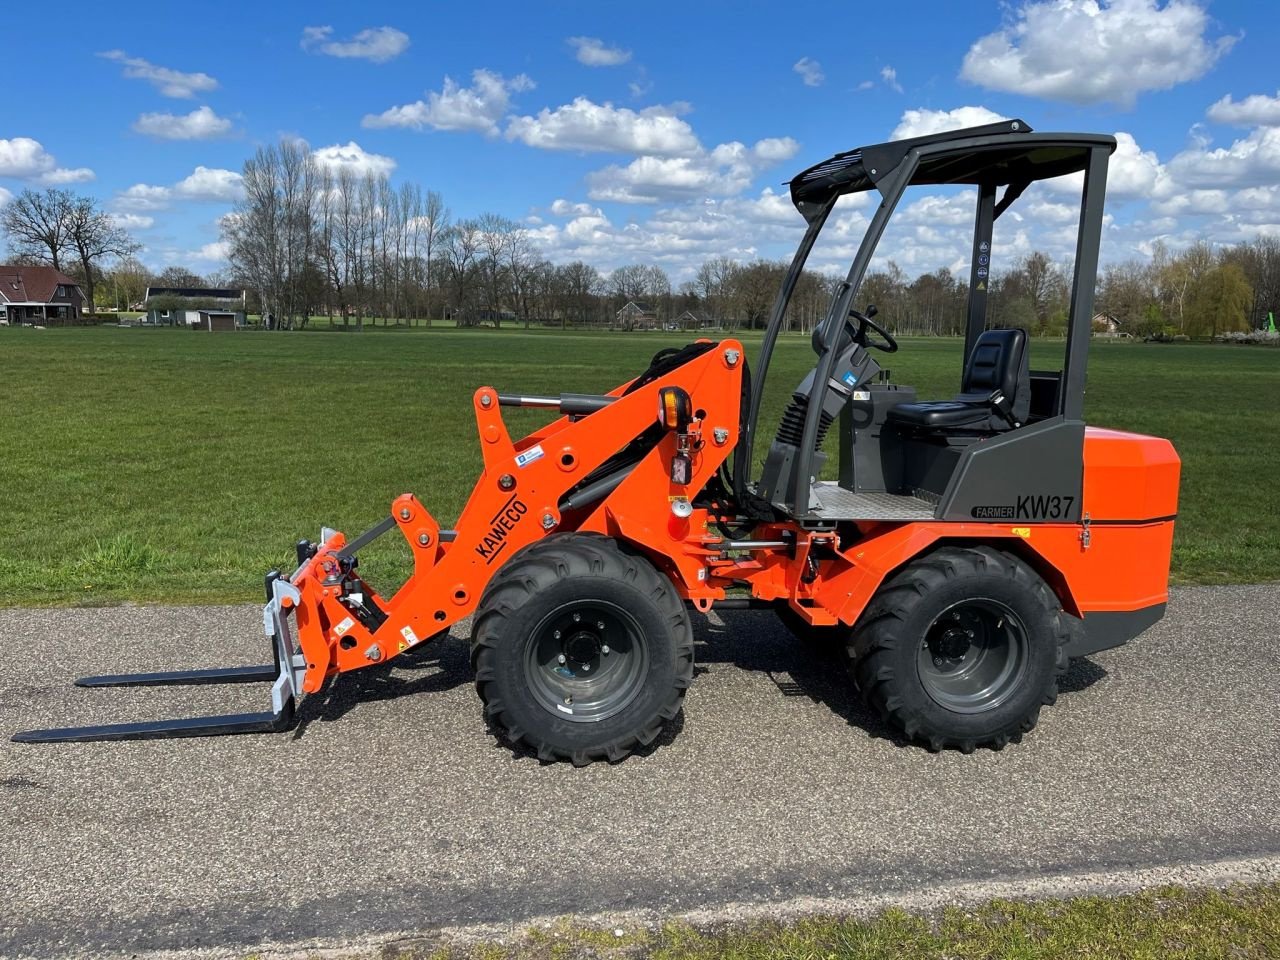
891 184
979 268
1071 399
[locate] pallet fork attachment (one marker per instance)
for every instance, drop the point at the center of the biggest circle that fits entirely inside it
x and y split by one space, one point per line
284 674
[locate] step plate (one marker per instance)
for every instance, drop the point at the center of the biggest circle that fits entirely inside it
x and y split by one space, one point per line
838 503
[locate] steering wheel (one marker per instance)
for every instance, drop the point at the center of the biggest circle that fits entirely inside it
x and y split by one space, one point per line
865 323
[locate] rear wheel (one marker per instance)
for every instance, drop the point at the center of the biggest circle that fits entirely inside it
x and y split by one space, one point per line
581 651
961 649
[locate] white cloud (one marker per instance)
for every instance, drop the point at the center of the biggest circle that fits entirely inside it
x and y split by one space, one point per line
132 221
724 171
955 210
890 78
1252 161
810 71
205 183
593 52
922 123
1257 110
142 196
62 176
170 83
1132 173
5 196
200 124
478 107
589 126
768 208
1091 51
214 252
564 208
353 157
25 159
378 44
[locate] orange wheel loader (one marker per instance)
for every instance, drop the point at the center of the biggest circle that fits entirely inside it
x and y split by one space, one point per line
969 547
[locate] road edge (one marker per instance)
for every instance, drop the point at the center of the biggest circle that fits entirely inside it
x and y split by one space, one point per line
922 900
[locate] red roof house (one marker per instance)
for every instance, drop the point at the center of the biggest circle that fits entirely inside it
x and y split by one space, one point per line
39 295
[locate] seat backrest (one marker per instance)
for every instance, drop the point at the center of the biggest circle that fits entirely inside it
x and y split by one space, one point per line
1000 362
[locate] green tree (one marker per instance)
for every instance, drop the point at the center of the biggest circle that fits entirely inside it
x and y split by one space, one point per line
1219 302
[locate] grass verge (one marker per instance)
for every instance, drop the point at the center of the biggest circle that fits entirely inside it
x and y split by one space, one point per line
1170 923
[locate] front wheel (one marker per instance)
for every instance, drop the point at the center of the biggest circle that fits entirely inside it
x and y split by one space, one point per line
961 648
581 651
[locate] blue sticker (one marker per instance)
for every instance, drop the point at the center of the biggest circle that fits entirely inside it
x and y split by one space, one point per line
850 379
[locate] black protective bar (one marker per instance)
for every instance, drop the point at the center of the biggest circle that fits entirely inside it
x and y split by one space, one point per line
979 269
739 603
572 404
1071 396
183 677
597 490
742 465
891 187
232 723
366 538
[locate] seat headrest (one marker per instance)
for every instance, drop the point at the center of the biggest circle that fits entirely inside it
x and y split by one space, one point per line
997 359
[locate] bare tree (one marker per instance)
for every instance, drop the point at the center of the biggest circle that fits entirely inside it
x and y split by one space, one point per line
582 287
36 225
94 237
713 284
435 222
495 235
521 262
460 251
271 230
178 276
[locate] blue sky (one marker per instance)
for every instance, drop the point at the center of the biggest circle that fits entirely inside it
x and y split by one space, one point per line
654 132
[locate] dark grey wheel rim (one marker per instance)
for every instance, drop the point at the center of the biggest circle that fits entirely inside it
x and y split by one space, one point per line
974 656
586 660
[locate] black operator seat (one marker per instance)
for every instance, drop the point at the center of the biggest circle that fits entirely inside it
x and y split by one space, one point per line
997 391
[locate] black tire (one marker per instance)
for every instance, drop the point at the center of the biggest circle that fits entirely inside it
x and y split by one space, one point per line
961 649
824 641
623 633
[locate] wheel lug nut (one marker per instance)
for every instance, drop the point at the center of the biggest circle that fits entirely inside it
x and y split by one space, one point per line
599 624
586 668
577 617
556 635
605 650
561 658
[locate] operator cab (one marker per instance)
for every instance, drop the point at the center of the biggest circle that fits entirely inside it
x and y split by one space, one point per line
1009 431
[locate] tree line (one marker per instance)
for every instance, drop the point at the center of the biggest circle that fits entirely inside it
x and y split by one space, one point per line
306 240
313 242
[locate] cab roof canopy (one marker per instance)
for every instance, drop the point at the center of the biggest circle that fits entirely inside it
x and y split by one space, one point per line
1005 153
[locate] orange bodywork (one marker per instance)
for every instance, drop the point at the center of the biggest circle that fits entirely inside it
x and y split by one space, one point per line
1117 561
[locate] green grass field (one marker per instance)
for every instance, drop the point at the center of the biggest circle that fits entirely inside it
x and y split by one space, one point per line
165 465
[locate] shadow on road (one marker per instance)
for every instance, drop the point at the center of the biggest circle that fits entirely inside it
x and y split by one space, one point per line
443 663
757 640
749 640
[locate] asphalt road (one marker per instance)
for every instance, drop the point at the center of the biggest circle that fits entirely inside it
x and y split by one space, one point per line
392 809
